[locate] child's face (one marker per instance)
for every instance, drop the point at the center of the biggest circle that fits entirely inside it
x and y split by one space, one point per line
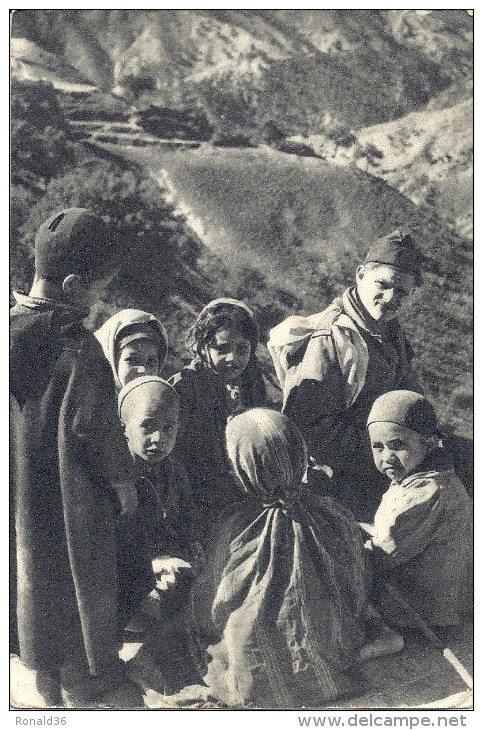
228 354
397 450
140 357
151 428
383 289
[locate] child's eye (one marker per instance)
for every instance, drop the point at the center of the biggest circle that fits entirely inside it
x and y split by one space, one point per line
398 445
376 447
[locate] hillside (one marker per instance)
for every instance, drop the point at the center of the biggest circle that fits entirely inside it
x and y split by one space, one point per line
283 231
300 69
32 63
288 232
426 155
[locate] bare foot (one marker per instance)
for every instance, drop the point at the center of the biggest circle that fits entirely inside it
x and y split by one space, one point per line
387 642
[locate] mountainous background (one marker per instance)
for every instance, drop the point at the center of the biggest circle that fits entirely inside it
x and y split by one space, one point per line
256 153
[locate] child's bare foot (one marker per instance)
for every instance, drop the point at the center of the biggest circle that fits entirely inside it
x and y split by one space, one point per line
386 642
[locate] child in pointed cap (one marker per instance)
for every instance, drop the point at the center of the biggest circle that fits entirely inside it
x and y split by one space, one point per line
334 364
422 530
161 527
135 343
223 379
69 461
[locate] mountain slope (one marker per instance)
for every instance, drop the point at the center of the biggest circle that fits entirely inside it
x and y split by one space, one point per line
298 68
30 62
287 233
428 156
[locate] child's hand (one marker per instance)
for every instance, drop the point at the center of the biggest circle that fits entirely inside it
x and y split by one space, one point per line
320 467
166 569
128 497
168 564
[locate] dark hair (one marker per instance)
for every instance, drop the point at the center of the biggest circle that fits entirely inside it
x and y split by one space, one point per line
223 316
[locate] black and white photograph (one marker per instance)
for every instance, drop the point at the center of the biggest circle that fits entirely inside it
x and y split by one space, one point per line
241 364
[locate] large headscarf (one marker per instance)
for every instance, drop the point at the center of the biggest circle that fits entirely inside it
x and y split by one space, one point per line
277 610
128 322
268 453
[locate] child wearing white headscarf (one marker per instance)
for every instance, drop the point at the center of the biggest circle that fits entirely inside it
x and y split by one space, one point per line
135 343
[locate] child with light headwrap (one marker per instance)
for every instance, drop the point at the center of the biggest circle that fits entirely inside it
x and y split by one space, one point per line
135 343
161 527
278 609
421 535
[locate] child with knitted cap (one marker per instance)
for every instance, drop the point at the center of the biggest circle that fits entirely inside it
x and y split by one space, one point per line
422 530
135 344
71 470
161 528
223 379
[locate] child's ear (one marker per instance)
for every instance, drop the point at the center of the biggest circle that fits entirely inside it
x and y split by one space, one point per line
360 271
72 285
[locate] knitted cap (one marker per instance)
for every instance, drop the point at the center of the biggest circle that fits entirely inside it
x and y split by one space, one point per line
142 381
73 241
397 249
405 408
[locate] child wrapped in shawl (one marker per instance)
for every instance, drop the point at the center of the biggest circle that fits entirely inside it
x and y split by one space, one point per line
421 535
277 609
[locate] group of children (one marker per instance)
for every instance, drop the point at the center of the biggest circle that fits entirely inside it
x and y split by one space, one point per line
224 522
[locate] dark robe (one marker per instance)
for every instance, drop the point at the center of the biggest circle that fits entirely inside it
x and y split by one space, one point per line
205 406
69 454
162 524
